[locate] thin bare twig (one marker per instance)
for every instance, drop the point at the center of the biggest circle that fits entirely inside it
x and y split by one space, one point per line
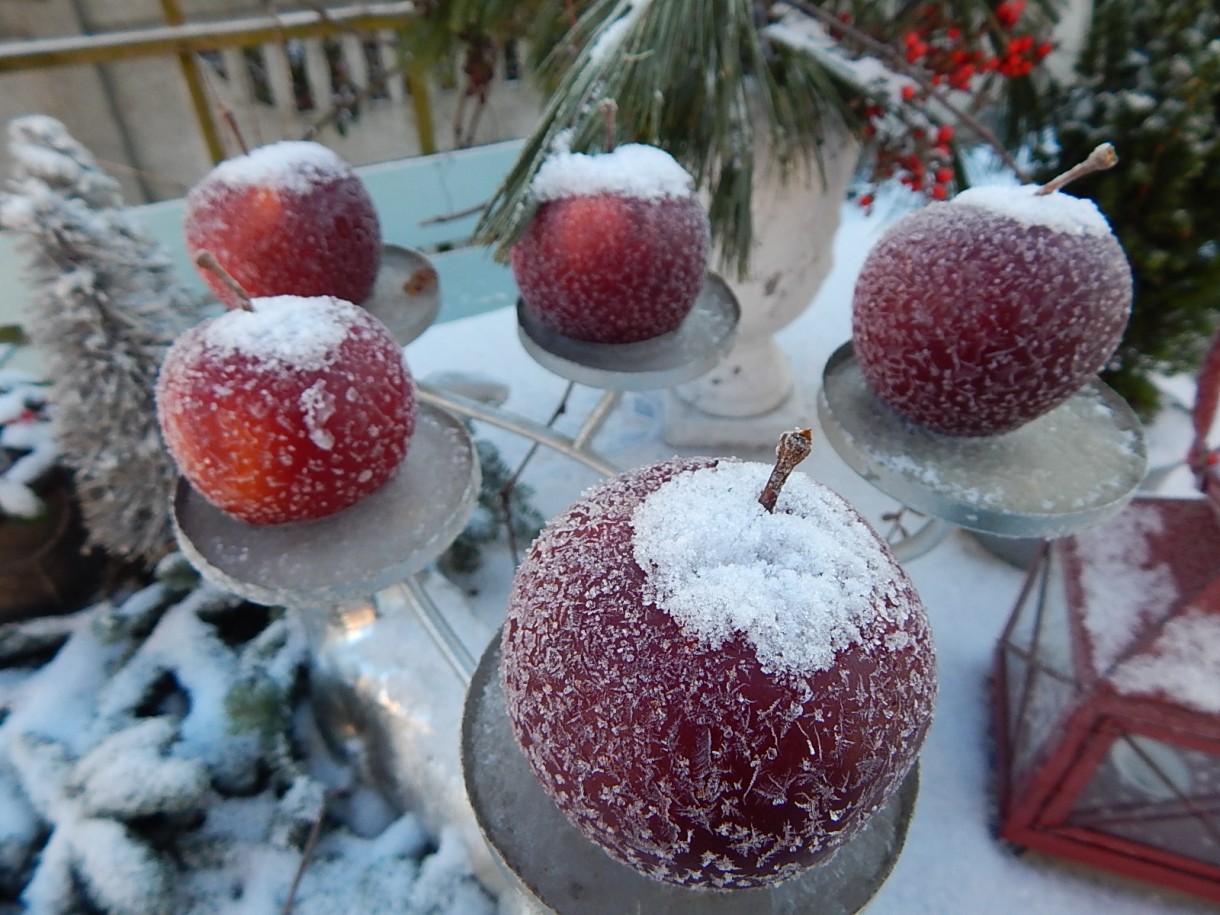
311 845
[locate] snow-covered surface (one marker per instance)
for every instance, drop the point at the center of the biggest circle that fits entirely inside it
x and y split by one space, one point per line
952 862
29 437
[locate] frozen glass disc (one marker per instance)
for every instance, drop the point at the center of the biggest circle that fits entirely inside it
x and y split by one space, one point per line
406 297
553 862
1062 472
693 349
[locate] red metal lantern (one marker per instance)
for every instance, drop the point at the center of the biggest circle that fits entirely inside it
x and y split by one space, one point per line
1107 685
1107 696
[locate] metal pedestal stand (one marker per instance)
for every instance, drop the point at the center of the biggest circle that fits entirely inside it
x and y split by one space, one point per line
406 297
382 692
1065 471
558 869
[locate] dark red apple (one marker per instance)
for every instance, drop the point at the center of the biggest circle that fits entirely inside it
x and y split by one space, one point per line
717 695
294 410
289 218
974 316
618 248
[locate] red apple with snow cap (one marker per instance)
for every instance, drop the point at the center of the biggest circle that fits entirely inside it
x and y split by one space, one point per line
717 694
288 218
292 410
977 315
618 248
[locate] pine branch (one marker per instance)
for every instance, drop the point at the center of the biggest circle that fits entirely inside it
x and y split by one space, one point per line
746 106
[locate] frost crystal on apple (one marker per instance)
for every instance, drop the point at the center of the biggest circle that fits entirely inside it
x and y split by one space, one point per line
698 740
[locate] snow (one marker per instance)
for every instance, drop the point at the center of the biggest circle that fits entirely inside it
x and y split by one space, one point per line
952 862
289 164
1056 211
1184 664
801 583
285 330
630 170
612 36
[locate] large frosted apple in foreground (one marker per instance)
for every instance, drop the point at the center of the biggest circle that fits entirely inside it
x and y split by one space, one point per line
618 248
717 694
974 316
288 218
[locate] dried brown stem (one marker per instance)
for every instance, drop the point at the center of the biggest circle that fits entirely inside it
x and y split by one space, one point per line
207 261
793 448
1100 159
608 108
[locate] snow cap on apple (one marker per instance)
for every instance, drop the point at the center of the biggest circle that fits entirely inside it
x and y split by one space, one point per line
977 315
288 218
291 410
717 688
618 248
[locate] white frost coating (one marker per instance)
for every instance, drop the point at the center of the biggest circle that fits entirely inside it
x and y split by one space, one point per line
1184 664
632 170
289 330
799 583
318 406
1059 211
289 164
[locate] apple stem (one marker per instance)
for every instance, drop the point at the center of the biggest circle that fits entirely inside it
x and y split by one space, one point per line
207 261
231 119
793 448
1101 158
608 108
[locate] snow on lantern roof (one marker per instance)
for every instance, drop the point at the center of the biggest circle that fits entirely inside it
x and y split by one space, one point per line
1156 563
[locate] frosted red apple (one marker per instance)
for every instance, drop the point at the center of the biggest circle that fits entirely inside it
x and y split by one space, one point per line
292 411
289 218
618 248
717 695
974 316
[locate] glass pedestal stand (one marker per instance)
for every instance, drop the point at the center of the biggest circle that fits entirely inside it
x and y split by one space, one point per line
694 348
1067 470
383 694
558 870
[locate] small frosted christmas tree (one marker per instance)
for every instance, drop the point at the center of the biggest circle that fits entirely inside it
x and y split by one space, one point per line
106 306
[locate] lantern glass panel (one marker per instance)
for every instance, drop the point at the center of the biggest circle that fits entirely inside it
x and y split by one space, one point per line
1157 794
1041 688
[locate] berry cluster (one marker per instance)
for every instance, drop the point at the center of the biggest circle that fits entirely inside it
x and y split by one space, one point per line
942 54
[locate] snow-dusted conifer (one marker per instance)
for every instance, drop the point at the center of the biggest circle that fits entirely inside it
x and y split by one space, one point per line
106 305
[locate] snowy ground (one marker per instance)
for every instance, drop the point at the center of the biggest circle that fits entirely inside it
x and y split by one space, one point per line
951 864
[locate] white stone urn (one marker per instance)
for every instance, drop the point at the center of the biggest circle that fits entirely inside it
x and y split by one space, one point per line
752 395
